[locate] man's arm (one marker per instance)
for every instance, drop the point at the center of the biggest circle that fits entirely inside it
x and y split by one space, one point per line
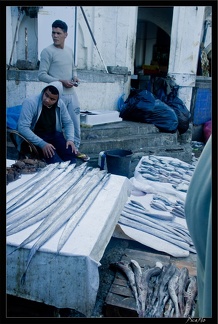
45 61
25 123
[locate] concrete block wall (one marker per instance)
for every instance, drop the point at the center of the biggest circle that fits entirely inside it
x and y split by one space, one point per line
96 91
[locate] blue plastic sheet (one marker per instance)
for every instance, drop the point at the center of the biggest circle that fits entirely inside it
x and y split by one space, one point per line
12 115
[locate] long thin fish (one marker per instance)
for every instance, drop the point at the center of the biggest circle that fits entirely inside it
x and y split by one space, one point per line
48 191
77 216
47 204
27 184
45 195
73 196
160 215
59 222
36 189
155 242
148 222
167 225
42 183
132 221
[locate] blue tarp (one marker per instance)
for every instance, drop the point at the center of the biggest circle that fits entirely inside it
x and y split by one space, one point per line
12 115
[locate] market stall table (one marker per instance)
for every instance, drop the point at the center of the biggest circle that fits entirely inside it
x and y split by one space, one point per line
69 279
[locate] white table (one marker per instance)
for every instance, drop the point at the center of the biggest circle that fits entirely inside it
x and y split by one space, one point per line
69 279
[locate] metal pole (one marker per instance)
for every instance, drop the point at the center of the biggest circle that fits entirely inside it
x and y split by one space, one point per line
26 44
75 38
87 23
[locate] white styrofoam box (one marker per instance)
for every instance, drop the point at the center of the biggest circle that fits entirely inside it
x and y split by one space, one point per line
99 117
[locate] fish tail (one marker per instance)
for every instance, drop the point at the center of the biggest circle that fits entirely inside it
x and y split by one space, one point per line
23 279
31 254
13 251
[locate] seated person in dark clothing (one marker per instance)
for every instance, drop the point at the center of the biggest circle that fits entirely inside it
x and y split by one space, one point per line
44 121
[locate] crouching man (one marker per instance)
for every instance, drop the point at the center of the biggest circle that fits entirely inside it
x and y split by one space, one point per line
44 121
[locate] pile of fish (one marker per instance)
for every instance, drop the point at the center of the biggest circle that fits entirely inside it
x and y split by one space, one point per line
162 169
57 196
160 225
160 291
24 166
157 216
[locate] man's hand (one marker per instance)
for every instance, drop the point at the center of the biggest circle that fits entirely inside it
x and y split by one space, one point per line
69 83
74 149
48 150
75 79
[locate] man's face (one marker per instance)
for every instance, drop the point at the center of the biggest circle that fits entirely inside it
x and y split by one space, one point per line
58 36
49 99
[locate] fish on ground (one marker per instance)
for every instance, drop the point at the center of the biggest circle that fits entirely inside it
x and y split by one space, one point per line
190 295
127 270
182 283
172 287
170 270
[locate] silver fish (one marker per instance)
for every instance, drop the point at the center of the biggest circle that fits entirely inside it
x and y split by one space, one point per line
168 308
165 200
138 281
68 202
130 220
42 183
146 275
11 194
26 208
176 210
77 216
49 230
150 177
182 283
47 203
158 205
165 276
127 270
190 295
160 215
172 287
166 226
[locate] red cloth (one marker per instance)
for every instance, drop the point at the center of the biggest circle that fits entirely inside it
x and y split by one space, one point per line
207 130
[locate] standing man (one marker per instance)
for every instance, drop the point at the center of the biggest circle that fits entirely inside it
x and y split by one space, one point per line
56 64
198 211
44 121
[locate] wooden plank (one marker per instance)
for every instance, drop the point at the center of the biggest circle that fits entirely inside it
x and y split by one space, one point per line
125 302
190 265
121 290
145 258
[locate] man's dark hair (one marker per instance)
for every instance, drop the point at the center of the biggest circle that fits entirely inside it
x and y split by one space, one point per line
52 89
60 24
